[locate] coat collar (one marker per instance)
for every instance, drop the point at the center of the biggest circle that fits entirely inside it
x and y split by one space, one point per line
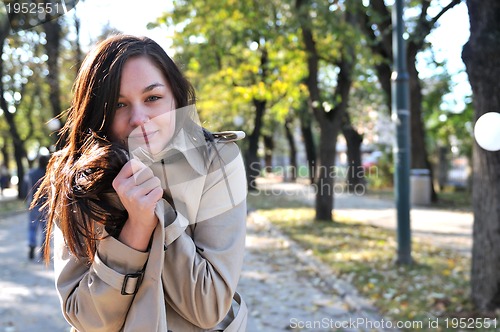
188 143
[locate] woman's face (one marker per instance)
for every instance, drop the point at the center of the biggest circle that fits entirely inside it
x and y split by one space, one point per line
144 114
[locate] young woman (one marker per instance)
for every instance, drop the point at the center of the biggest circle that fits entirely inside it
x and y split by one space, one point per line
146 208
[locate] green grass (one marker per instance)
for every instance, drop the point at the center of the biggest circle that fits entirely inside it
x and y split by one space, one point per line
12 205
435 286
449 198
455 199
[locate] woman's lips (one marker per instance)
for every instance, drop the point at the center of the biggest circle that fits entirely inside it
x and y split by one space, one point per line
142 134
148 134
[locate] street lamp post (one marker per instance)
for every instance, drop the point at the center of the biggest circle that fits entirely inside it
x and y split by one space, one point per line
401 118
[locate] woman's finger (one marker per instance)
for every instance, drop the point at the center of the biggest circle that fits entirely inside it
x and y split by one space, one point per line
142 174
132 170
147 186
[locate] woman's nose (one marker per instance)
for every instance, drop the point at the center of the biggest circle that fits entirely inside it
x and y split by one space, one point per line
139 116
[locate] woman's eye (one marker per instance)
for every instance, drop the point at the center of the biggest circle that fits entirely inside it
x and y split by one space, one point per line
120 105
152 98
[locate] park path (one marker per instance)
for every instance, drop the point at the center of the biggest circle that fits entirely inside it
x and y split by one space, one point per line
28 301
285 287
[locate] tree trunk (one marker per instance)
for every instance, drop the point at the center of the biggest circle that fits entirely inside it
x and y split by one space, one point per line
5 153
443 167
307 135
419 155
292 176
252 162
268 153
53 37
78 49
355 174
325 172
480 55
52 34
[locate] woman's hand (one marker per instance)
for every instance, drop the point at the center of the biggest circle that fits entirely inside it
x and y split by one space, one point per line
139 191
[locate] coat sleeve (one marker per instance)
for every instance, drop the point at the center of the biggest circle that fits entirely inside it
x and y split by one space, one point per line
90 295
203 268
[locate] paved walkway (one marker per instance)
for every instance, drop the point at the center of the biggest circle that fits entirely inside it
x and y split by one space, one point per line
286 288
28 301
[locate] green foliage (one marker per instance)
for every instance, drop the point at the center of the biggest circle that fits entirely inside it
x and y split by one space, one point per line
236 53
24 88
420 17
446 128
9 206
448 123
381 175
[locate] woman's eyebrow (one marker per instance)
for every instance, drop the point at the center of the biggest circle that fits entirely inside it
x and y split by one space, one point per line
148 88
152 86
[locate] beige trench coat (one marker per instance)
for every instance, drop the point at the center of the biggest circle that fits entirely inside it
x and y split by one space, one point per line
192 268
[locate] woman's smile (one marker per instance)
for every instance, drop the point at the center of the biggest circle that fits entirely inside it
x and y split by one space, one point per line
140 132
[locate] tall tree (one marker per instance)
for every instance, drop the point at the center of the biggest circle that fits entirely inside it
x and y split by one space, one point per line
52 30
328 112
235 54
19 149
78 49
376 22
480 55
23 92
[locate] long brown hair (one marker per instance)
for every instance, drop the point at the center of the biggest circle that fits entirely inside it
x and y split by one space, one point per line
84 168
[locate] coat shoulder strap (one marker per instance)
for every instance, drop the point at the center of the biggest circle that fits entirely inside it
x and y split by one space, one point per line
223 136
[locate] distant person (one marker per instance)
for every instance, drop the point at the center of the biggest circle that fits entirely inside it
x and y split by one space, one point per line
4 178
36 217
